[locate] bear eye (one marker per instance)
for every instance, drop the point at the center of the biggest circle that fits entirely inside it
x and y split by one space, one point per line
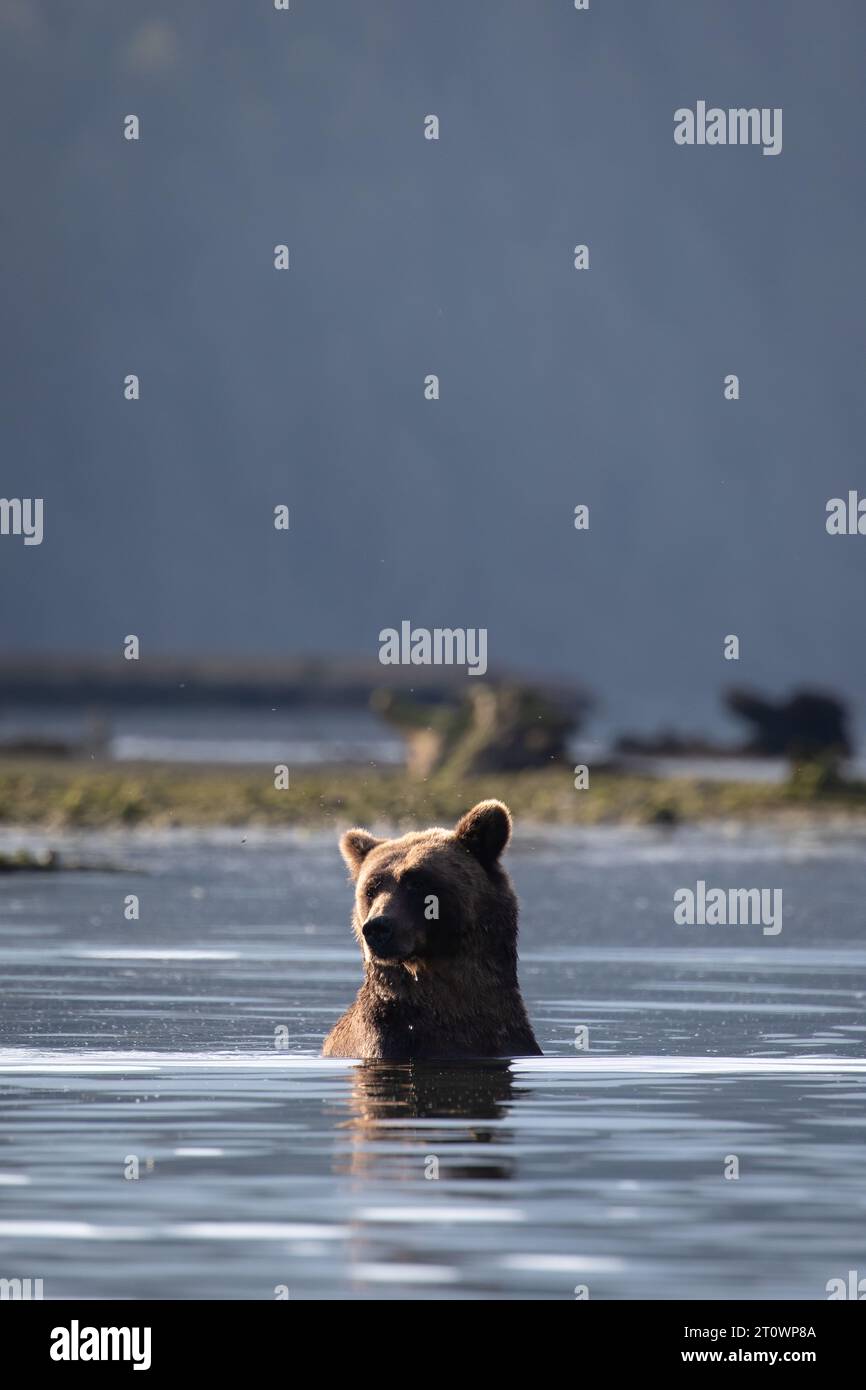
420 886
374 887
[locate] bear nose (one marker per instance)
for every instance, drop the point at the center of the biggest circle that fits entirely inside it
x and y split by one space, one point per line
378 933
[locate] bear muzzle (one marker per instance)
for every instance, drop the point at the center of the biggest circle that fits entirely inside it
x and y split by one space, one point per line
389 940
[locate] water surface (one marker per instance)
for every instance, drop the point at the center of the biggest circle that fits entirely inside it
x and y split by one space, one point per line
185 1043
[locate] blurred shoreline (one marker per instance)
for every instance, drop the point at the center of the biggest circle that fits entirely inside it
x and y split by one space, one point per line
62 795
93 744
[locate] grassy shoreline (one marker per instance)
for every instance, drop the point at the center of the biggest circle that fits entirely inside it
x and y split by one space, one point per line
76 795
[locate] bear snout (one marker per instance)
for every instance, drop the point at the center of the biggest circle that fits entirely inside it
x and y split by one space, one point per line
387 939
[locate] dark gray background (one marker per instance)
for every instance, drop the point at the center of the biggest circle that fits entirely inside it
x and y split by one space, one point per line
411 257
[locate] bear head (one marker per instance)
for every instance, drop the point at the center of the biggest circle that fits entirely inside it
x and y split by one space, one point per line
436 898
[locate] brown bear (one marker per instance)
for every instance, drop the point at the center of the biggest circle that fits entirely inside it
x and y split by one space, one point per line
436 919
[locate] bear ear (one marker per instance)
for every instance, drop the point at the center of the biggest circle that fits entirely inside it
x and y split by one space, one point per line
485 831
355 845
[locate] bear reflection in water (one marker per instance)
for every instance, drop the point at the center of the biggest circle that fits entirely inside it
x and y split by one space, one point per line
387 1098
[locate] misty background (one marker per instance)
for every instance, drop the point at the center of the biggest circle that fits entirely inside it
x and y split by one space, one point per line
455 257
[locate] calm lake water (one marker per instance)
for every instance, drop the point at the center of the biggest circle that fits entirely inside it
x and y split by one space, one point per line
260 1167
